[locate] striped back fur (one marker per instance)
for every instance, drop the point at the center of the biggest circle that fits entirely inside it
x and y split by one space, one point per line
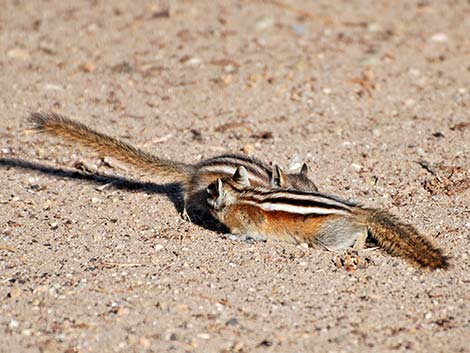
286 200
259 173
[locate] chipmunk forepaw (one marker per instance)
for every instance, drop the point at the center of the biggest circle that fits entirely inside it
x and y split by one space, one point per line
185 215
235 237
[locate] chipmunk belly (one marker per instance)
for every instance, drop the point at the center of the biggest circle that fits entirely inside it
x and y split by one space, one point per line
327 231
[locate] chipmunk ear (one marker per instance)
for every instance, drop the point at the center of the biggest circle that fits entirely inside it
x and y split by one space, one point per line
304 170
278 178
220 187
241 177
215 189
215 195
294 164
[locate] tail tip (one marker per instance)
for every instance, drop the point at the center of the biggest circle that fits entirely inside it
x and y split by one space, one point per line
441 263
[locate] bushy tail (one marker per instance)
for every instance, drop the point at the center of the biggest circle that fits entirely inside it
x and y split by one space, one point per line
401 239
58 125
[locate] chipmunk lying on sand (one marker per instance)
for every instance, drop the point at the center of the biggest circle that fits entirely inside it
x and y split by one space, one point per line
311 217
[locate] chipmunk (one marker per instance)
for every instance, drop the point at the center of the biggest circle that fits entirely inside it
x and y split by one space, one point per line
194 177
316 219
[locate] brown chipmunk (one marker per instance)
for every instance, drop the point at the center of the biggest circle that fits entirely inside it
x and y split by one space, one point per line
194 177
316 219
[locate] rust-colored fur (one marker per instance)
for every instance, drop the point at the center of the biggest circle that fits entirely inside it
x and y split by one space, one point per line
318 220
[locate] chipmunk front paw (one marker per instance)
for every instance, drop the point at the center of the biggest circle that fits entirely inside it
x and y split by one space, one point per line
185 215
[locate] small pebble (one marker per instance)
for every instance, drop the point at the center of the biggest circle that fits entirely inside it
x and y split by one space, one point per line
194 61
18 53
356 167
53 87
232 322
265 23
415 72
248 148
144 342
88 67
374 28
230 68
13 324
158 247
26 332
204 336
95 200
439 38
298 29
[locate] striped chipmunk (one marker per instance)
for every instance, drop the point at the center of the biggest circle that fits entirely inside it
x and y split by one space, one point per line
314 218
194 177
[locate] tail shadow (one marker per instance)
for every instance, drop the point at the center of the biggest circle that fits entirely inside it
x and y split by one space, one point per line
173 191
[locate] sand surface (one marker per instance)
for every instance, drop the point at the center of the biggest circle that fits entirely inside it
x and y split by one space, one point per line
375 97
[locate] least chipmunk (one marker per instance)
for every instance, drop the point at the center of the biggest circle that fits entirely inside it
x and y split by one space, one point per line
316 219
194 177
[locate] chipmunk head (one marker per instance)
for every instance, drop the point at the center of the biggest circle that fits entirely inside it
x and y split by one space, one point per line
223 192
299 181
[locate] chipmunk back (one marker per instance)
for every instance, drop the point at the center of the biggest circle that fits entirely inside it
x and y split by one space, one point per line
317 219
194 177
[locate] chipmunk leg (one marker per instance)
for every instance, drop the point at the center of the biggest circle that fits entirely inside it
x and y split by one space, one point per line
360 242
184 215
341 233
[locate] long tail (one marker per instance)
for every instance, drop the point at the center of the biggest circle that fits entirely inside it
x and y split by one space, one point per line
58 125
401 239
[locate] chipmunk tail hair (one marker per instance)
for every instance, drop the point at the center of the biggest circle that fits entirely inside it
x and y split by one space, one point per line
401 239
70 130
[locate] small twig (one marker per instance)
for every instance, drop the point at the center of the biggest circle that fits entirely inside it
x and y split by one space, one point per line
321 269
123 264
371 249
298 11
157 140
428 167
8 248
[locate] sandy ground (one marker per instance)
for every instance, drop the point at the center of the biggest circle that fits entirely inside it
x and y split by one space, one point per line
374 97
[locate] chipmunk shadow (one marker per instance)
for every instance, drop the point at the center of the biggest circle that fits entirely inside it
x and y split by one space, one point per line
173 191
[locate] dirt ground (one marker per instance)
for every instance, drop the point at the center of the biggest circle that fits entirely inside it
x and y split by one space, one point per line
374 96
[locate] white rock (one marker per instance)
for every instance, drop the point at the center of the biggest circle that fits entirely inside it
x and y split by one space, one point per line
204 336
194 61
439 38
13 324
265 23
18 53
356 167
